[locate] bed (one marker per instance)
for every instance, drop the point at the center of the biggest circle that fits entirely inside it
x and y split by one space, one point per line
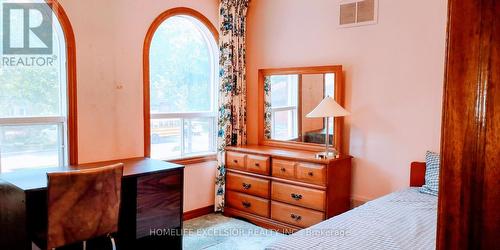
405 219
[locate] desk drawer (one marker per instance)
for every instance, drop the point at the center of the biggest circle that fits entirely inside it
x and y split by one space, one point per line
247 184
248 203
300 196
301 217
235 160
159 202
283 168
311 173
258 164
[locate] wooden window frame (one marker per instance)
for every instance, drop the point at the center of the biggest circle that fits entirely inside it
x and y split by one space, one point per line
69 36
146 81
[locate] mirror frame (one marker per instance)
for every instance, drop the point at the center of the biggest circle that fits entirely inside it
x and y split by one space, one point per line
339 97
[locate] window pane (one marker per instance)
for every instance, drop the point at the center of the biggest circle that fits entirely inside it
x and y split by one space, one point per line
181 68
330 84
31 84
165 138
30 146
284 90
198 135
284 125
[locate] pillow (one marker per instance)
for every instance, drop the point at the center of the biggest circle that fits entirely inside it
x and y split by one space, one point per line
431 185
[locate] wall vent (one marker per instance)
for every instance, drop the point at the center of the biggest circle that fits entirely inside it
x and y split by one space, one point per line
356 12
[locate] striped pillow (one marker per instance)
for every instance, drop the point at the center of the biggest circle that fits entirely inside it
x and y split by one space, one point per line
431 185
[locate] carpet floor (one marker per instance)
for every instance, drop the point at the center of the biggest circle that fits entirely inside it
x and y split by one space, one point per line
215 231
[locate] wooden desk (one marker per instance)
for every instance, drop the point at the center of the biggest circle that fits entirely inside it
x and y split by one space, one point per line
151 199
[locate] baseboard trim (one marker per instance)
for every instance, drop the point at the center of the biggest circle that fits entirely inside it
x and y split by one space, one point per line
357 203
198 212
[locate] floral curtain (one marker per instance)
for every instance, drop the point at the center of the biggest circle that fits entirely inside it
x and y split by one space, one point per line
232 88
267 108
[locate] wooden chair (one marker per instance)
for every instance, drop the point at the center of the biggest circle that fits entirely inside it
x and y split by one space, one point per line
82 205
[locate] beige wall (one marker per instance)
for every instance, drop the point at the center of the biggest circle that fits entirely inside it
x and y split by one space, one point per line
109 39
394 77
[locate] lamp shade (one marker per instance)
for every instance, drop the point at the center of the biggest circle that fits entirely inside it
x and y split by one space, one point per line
328 107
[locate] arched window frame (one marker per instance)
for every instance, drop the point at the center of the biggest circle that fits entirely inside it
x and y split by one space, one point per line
69 36
70 122
146 73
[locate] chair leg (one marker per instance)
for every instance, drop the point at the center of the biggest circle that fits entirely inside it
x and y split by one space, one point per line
84 245
112 242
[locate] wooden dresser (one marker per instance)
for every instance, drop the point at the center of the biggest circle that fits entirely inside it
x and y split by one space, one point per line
285 189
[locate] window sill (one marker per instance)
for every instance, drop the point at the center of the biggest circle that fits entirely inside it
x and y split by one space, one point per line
195 159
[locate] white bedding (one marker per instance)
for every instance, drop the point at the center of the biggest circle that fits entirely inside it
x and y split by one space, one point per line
401 220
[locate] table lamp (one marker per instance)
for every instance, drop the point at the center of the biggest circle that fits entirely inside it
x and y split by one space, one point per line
327 108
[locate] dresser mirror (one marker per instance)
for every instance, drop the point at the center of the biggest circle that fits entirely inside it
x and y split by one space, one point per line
287 95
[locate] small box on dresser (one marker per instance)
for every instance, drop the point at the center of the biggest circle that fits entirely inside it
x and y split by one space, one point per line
285 189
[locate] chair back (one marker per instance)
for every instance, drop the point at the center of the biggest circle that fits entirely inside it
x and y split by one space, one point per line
83 204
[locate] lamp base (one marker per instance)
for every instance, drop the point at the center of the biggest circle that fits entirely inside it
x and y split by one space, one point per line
327 155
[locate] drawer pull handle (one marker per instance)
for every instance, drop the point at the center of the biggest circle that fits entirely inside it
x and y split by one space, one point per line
257 164
246 204
295 217
296 196
235 161
283 169
310 173
246 185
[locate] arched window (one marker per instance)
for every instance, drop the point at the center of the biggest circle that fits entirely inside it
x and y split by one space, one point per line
37 86
181 72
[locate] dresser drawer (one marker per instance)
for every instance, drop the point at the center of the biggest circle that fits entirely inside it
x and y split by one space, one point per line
301 217
235 160
247 184
283 168
258 164
311 173
248 203
296 195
